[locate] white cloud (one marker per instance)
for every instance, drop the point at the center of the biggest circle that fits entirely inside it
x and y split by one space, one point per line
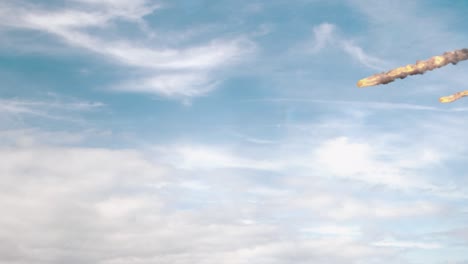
191 201
359 161
358 53
136 8
173 84
204 57
343 157
373 162
194 185
407 244
326 35
62 21
334 230
29 136
114 206
414 209
30 106
120 207
13 111
336 206
210 157
198 61
458 234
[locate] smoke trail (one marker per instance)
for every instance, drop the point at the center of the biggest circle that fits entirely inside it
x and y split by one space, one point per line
419 68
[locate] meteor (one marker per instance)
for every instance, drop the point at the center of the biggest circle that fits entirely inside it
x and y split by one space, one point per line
419 68
453 97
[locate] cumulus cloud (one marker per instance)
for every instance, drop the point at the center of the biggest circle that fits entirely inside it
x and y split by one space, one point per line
79 205
359 161
199 202
190 202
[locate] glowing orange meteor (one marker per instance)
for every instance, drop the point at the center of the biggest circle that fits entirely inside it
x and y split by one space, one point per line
453 97
419 68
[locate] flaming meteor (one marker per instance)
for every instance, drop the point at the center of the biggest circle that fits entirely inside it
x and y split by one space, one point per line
419 68
453 97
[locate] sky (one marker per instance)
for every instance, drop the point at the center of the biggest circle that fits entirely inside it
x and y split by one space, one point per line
231 132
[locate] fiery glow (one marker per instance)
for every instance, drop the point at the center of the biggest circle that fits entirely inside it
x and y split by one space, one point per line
453 97
419 68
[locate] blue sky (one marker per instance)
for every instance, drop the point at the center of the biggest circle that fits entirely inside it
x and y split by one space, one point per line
230 132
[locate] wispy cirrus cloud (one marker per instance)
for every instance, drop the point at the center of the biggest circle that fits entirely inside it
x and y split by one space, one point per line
182 71
59 109
338 158
378 105
173 84
364 58
326 35
17 117
211 157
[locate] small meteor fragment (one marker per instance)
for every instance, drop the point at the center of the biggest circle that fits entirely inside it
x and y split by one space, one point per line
453 97
419 68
